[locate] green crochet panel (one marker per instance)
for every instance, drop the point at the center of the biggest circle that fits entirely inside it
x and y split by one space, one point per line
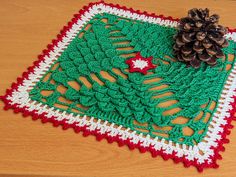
173 101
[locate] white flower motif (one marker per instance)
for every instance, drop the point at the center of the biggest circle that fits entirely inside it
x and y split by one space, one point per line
139 63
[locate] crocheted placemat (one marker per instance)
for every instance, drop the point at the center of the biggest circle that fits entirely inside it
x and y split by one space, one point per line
111 73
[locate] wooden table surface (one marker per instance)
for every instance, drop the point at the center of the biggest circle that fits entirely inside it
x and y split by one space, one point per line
30 148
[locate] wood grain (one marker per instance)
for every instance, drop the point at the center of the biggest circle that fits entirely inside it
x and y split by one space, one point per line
30 148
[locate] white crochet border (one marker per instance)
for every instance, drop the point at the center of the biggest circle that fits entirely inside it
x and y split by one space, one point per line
21 96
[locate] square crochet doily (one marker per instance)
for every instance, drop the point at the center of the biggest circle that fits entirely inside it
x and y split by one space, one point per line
82 81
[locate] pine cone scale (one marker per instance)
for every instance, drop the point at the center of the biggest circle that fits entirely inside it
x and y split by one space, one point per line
204 57
211 51
195 63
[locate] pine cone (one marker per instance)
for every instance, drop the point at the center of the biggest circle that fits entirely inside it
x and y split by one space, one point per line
200 38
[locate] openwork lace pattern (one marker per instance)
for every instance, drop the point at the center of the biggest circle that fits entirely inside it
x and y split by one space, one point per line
91 77
82 82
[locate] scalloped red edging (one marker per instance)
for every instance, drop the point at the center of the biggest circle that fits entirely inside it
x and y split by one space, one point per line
98 135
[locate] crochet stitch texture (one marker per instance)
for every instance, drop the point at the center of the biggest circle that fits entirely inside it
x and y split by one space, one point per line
170 110
129 97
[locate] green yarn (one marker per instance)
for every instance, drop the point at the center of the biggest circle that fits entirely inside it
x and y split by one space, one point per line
128 99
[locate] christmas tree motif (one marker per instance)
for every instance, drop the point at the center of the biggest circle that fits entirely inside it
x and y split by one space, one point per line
106 45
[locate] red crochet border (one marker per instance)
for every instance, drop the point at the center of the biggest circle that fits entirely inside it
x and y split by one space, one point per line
99 136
